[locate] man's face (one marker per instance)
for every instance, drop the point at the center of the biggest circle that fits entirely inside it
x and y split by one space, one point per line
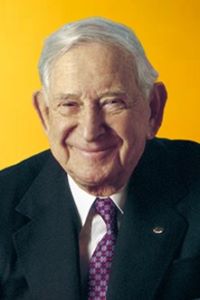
97 120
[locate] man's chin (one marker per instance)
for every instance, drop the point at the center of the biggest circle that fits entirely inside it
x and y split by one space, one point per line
97 183
90 180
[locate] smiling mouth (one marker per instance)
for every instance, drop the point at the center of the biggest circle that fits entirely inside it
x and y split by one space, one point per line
96 152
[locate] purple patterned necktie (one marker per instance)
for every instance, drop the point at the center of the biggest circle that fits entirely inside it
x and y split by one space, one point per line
101 260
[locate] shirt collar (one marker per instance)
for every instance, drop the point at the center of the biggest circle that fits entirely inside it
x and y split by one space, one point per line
84 200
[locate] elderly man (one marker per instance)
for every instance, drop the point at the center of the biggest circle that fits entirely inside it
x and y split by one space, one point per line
110 212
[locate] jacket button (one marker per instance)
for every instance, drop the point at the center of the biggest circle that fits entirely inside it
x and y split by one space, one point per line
158 230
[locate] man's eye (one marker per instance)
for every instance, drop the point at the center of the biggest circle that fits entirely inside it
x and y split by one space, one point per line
114 103
69 104
68 107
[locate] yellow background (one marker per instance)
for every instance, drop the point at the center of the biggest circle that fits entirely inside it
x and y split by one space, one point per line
169 30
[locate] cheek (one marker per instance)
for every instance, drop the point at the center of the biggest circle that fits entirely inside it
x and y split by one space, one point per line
57 134
133 132
132 128
139 123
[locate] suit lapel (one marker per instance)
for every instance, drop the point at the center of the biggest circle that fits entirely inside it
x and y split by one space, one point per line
47 245
142 254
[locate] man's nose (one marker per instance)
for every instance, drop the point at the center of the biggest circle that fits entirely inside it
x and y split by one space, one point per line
92 124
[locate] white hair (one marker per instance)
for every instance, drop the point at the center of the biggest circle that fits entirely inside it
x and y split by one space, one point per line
97 29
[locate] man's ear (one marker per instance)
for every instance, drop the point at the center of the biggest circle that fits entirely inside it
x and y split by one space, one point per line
157 101
41 107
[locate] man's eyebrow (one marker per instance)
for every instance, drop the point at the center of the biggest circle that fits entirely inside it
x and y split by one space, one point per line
72 96
113 94
66 96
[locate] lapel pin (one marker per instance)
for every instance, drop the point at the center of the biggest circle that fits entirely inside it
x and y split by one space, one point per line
158 230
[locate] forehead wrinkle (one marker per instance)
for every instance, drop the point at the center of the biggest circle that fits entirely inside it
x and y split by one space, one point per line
110 58
75 73
82 88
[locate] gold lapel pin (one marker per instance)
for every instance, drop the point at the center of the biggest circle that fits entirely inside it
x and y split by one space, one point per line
158 230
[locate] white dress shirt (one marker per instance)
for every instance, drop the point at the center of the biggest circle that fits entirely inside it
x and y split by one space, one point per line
93 226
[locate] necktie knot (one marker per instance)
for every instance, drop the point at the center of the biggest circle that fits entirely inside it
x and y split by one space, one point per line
108 211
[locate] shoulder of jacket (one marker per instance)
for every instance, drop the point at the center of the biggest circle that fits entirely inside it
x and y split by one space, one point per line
23 172
178 147
183 154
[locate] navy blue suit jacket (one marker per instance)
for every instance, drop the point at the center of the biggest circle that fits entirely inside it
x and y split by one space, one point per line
39 229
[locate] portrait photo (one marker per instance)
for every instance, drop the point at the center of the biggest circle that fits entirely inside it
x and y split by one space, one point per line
100 154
